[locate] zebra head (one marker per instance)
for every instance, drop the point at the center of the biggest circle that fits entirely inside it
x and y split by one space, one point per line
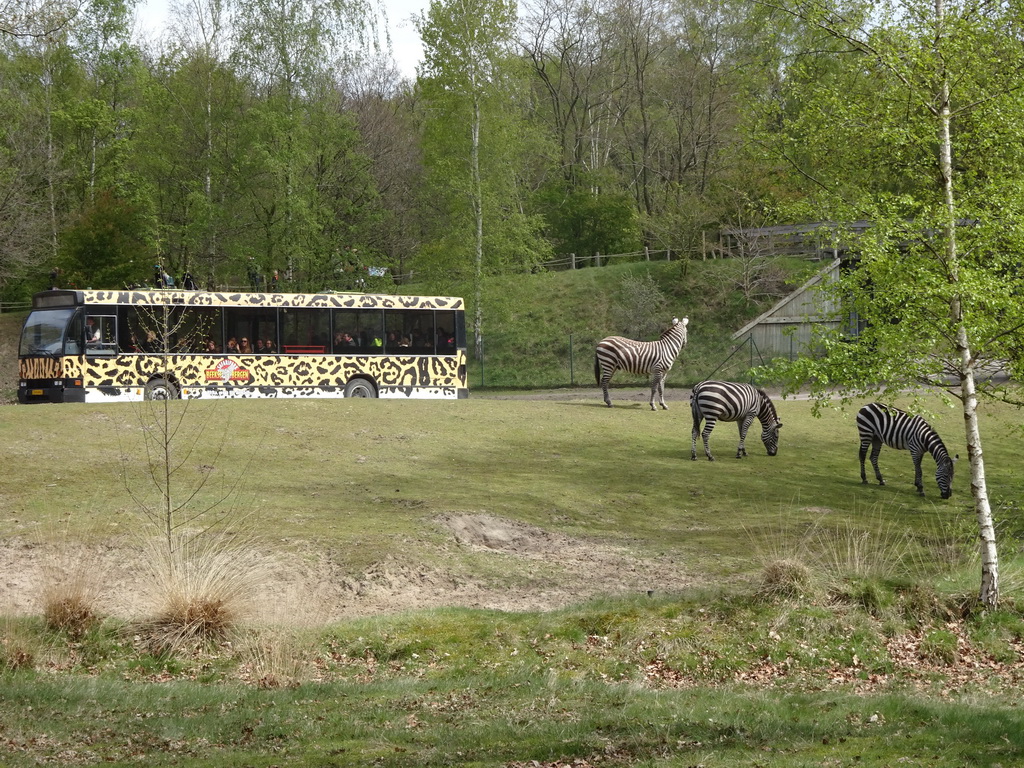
677 330
770 423
944 476
770 437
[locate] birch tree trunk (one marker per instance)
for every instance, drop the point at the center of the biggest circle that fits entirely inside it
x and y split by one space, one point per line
989 590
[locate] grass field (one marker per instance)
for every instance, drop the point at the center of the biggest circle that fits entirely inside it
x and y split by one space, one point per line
524 582
363 475
665 641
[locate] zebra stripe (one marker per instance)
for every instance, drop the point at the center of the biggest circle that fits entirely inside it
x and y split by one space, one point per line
652 357
878 424
714 401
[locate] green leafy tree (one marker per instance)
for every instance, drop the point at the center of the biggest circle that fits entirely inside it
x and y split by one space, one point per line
474 140
106 247
588 218
24 166
920 130
301 142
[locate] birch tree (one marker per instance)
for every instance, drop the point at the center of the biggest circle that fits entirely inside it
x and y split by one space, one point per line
475 138
921 132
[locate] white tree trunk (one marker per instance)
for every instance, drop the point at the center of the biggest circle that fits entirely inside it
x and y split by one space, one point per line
989 592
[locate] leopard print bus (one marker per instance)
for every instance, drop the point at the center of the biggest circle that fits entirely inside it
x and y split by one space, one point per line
272 300
40 368
275 371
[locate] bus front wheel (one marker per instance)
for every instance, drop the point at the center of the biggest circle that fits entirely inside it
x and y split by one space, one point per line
360 388
161 389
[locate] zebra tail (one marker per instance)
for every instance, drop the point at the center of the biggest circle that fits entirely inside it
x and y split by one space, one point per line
597 370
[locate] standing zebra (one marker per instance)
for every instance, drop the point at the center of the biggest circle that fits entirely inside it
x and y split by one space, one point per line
898 429
653 357
714 401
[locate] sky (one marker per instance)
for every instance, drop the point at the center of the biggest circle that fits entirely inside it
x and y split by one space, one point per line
405 42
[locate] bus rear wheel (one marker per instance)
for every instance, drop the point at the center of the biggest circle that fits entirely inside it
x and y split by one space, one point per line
360 388
161 389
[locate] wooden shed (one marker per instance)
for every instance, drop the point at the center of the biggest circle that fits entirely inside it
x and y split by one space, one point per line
786 330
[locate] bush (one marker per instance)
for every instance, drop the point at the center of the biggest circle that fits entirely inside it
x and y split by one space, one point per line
201 587
784 579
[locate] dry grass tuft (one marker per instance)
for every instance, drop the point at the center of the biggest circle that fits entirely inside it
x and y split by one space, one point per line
17 647
201 587
274 657
73 582
885 551
784 579
72 613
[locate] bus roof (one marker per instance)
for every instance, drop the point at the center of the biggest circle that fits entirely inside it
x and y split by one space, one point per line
153 297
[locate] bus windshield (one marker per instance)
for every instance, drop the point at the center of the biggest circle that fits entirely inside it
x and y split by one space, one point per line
44 331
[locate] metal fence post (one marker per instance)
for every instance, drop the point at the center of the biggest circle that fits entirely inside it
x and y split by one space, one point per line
572 374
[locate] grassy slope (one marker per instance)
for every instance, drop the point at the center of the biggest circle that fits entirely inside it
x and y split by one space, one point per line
540 330
10 328
531 321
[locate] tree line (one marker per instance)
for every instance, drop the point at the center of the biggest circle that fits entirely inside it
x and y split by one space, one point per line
253 136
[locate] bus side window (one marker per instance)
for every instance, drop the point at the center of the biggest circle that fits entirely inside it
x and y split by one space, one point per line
100 335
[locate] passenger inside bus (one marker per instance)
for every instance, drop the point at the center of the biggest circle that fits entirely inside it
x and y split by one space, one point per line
92 331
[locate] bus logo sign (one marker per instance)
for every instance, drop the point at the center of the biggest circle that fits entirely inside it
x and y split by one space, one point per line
228 372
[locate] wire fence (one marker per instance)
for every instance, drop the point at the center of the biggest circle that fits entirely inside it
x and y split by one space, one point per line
555 363
572 261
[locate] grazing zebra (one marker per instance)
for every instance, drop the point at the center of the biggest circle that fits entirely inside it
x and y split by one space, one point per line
653 357
898 429
714 401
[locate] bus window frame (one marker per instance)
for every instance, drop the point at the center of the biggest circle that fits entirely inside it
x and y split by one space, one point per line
106 322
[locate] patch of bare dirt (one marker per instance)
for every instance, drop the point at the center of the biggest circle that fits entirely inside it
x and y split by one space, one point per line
538 570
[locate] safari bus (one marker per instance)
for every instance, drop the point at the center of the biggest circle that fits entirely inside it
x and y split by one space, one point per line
94 346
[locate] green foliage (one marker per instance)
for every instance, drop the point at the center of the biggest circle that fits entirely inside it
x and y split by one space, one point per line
107 246
476 137
587 219
914 277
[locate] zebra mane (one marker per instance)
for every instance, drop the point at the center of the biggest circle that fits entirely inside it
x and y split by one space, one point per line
677 331
767 405
937 448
